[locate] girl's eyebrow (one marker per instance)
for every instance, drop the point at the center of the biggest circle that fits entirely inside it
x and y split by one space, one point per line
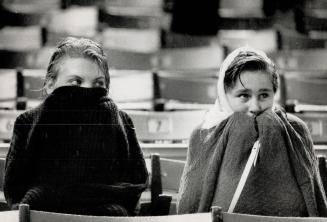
265 90
242 91
101 77
74 76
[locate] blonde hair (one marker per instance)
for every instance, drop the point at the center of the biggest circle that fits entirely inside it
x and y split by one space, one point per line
77 48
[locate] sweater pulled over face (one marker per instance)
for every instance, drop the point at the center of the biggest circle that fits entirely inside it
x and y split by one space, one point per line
77 139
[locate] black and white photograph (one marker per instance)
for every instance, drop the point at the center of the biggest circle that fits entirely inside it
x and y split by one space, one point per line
163 111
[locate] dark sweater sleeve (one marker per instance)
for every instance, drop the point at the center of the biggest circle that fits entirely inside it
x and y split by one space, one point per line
18 162
129 182
136 170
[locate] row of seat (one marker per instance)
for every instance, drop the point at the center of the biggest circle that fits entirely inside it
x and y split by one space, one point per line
301 92
167 133
191 58
25 44
207 57
195 62
137 33
24 214
161 196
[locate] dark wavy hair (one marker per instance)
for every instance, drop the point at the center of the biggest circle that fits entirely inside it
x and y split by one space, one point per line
249 61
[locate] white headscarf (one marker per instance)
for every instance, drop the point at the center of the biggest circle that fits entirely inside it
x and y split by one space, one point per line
222 109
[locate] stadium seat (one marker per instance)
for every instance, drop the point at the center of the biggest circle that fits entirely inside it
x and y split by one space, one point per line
235 217
291 41
165 179
172 39
111 17
169 126
78 21
188 87
24 214
12 16
262 39
303 94
3 204
301 59
192 58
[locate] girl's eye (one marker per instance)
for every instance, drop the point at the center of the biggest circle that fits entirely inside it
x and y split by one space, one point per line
264 96
75 82
244 96
99 84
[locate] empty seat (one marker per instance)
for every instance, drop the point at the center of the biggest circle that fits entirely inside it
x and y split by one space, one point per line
12 17
315 19
188 88
135 3
245 23
31 6
131 39
171 39
27 83
33 83
20 38
306 90
115 18
290 41
234 217
125 59
174 126
8 88
237 8
304 94
69 3
80 21
7 120
192 58
128 26
3 203
31 59
317 124
130 86
262 39
301 59
165 179
2 173
24 214
320 150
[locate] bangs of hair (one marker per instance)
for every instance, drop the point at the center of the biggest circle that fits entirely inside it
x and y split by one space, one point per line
249 62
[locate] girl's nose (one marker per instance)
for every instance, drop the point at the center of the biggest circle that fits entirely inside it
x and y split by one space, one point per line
254 107
86 84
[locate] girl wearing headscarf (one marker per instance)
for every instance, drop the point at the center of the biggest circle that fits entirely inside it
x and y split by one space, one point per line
284 179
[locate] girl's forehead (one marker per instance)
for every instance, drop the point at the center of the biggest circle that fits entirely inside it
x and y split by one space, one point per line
254 80
79 66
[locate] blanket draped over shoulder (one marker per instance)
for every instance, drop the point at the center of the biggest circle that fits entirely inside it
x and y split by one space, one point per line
284 182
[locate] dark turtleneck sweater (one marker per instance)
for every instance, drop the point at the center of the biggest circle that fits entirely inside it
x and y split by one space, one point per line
75 152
